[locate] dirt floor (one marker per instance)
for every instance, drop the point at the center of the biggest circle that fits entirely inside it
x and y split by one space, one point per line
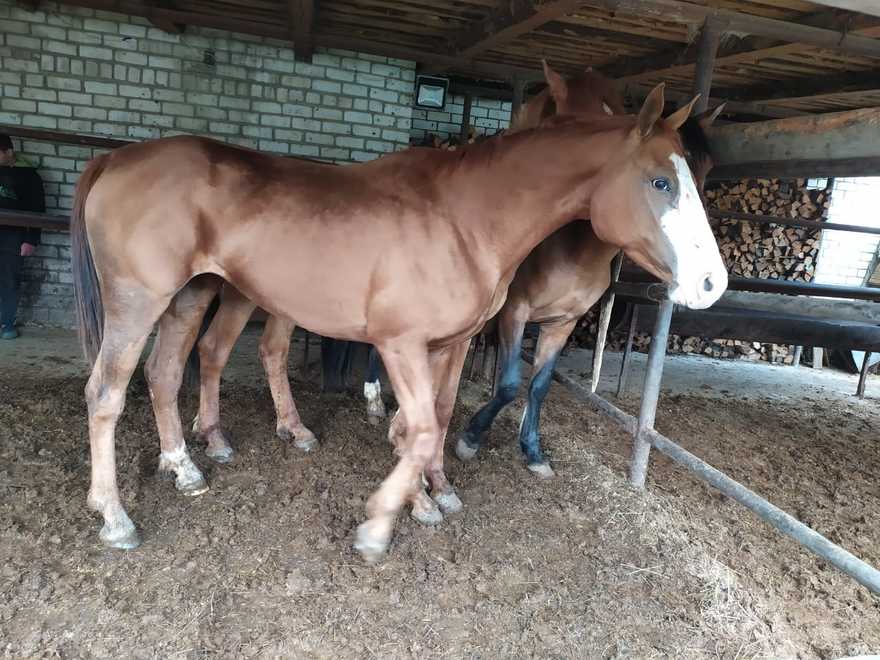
577 566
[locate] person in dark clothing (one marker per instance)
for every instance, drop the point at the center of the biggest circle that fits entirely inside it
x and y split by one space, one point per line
21 189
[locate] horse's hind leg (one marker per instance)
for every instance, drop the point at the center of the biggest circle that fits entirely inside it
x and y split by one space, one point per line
373 388
274 348
214 349
178 328
550 343
123 341
510 334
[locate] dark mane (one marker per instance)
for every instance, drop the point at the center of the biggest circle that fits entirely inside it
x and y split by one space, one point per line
695 142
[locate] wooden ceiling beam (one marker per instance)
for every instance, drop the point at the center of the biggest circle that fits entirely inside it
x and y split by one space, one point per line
732 21
639 91
860 6
509 20
861 81
164 24
680 61
302 21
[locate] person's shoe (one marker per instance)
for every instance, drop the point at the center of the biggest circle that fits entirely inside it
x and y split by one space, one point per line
8 332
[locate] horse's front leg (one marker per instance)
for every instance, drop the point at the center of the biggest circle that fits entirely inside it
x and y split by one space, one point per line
274 348
409 371
447 376
550 344
373 388
511 326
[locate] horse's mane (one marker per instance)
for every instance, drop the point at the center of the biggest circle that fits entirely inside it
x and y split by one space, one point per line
695 142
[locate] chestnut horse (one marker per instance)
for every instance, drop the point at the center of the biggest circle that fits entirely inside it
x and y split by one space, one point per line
565 276
412 253
589 94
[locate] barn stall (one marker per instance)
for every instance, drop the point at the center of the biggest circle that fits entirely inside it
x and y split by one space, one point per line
581 565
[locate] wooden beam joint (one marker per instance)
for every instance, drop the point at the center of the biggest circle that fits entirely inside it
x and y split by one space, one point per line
302 21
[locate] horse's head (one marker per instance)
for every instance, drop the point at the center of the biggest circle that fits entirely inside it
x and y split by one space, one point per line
646 202
588 94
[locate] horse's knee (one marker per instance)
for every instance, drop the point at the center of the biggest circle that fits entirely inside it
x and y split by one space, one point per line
103 400
272 354
163 384
209 355
506 393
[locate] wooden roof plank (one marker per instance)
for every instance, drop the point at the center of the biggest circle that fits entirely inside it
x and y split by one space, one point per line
508 21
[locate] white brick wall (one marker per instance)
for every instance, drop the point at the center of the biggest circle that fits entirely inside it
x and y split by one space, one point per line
488 116
102 73
844 256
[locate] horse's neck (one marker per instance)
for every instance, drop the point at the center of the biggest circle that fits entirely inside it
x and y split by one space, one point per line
516 193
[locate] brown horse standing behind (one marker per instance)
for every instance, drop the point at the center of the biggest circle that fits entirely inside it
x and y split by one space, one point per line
565 275
412 252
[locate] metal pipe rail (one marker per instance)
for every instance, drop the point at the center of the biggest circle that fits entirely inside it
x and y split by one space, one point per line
656 291
790 222
859 570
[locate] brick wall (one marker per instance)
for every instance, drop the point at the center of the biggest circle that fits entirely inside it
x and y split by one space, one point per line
844 256
107 74
488 116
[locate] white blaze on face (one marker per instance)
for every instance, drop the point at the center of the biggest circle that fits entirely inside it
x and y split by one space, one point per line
698 275
607 108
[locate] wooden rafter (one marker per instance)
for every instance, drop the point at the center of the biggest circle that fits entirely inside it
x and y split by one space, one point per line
676 61
726 20
508 21
861 6
859 82
302 20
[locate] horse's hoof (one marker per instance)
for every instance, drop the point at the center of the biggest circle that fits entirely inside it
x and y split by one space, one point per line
221 454
122 537
193 488
425 511
543 470
464 450
372 549
306 442
448 502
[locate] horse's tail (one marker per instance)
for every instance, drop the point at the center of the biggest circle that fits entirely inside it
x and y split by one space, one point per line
86 287
192 370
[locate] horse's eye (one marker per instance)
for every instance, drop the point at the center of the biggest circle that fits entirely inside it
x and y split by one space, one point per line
662 184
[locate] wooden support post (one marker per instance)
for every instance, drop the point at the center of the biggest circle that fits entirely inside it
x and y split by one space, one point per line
466 117
638 468
519 90
817 357
627 352
710 37
798 351
863 376
604 322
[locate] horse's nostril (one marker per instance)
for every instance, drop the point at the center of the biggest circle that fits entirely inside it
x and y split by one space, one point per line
707 284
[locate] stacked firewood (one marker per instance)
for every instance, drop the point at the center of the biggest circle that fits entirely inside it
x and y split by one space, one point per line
769 251
749 250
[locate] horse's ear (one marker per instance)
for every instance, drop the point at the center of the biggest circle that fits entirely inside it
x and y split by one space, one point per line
556 83
679 117
708 118
651 111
